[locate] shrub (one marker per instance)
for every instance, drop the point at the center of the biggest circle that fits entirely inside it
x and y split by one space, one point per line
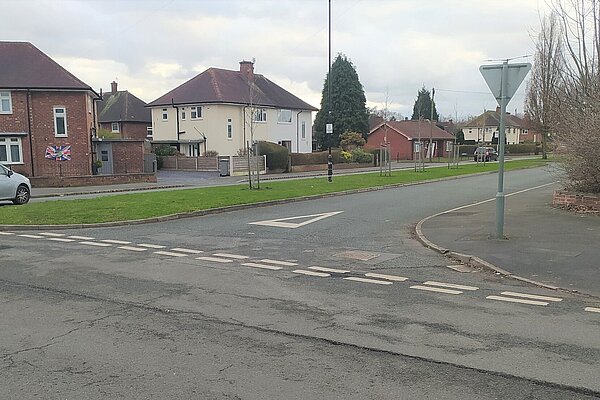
277 156
361 156
316 158
351 140
346 156
163 150
211 153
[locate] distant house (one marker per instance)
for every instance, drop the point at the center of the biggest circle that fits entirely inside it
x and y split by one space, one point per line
484 128
220 110
47 115
123 115
403 138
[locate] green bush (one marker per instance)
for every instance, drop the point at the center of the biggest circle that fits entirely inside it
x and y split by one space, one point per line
277 156
526 148
211 153
361 156
161 151
316 158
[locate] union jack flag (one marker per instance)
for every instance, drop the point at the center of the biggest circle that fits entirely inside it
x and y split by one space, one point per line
59 153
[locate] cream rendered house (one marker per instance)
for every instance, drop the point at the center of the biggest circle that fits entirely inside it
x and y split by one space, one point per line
221 110
485 127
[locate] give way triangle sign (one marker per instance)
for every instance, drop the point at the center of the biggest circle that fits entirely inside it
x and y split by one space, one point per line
514 77
301 220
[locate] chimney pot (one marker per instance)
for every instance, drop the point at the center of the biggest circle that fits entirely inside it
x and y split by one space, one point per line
247 68
113 87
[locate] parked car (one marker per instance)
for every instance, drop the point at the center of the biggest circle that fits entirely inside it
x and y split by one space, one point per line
485 154
14 187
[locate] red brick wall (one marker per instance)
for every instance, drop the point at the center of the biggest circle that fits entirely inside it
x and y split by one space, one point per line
128 157
92 180
41 104
400 146
589 201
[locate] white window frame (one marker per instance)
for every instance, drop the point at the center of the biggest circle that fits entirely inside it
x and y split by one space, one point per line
183 114
3 96
7 142
149 132
260 115
197 111
282 116
165 114
64 116
114 127
303 129
229 129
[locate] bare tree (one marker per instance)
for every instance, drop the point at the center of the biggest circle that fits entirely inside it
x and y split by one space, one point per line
545 77
572 110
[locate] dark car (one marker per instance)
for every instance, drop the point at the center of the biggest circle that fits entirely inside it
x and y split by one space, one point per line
485 154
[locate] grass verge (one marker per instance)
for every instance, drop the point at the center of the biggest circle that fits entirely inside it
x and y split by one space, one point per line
134 206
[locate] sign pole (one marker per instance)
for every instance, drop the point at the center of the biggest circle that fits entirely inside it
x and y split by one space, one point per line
501 140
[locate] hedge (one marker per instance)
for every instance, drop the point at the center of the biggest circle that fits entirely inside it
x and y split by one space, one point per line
277 156
316 158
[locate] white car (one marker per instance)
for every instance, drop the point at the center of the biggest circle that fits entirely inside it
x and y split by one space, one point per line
13 186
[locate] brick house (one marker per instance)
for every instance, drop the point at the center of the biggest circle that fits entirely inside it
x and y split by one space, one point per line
123 115
402 137
46 114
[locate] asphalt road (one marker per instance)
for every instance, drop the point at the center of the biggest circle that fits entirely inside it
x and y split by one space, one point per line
217 307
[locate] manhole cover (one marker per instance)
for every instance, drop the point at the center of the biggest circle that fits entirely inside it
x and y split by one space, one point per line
358 255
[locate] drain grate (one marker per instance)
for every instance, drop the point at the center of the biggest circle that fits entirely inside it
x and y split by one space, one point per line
358 255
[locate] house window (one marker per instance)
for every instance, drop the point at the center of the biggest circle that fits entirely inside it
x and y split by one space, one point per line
196 112
115 127
149 131
11 151
303 129
229 129
284 116
60 121
5 103
165 114
260 115
183 114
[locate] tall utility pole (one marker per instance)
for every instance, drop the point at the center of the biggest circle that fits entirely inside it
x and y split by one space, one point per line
431 127
329 126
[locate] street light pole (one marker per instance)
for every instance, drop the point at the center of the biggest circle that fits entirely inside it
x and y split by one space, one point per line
329 115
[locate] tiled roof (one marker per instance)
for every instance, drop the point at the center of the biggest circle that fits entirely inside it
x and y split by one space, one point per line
122 106
24 66
217 85
411 129
492 118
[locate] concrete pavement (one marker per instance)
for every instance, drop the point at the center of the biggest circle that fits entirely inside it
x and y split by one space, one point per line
554 247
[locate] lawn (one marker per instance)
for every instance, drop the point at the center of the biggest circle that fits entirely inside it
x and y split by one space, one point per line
134 206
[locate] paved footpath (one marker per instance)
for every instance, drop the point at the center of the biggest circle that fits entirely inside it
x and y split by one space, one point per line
548 245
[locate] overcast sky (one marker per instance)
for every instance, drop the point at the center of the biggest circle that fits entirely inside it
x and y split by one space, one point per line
397 46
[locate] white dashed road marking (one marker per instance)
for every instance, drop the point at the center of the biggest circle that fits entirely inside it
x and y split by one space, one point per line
311 273
365 280
387 277
191 251
214 259
114 241
96 244
236 256
64 240
131 248
531 296
323 269
284 263
450 285
522 301
81 237
435 289
52 234
152 246
263 266
592 309
168 253
6 233
32 236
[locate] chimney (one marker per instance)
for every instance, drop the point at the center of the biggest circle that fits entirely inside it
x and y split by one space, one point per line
113 87
247 68
498 109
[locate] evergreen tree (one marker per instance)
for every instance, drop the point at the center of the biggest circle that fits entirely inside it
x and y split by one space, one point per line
422 107
347 111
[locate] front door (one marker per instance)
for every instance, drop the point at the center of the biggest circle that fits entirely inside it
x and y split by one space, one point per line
105 155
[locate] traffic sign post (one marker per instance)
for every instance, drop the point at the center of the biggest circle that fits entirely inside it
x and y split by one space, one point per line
503 80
